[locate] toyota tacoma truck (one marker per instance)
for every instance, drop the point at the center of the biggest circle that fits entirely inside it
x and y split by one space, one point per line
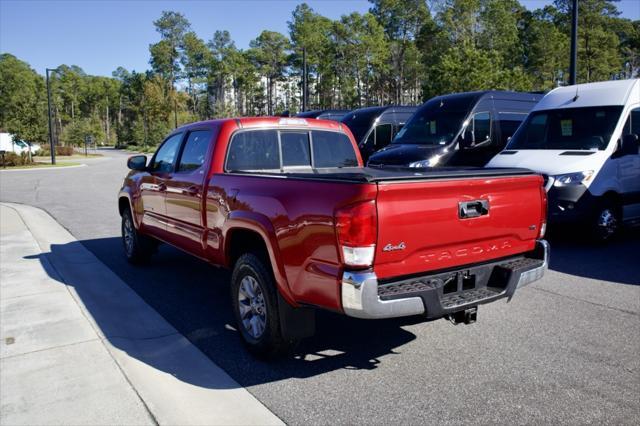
286 204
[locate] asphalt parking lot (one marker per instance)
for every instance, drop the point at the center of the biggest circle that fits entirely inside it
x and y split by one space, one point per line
564 350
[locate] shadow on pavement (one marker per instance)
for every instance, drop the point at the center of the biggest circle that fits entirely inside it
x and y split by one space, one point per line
617 261
193 297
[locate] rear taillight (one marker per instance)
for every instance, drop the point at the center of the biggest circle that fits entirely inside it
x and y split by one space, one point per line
543 212
356 229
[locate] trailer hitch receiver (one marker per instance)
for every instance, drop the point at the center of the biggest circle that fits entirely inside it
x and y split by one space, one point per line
468 316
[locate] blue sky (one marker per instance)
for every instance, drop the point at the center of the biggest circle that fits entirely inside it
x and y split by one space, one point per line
101 35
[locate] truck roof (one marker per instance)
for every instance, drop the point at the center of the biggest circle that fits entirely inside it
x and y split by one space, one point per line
617 92
256 122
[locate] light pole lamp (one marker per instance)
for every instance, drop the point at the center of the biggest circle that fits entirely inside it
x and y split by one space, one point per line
51 145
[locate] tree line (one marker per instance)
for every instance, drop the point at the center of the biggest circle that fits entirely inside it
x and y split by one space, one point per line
399 52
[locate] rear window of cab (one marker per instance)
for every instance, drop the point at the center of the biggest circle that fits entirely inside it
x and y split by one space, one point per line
279 150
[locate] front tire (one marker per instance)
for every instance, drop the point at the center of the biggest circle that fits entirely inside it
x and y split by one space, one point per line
255 305
138 248
607 222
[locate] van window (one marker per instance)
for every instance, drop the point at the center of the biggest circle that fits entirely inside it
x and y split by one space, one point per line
509 123
254 150
383 135
632 125
481 127
436 123
360 121
585 128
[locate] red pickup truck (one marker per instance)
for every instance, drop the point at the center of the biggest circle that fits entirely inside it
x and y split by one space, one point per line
288 206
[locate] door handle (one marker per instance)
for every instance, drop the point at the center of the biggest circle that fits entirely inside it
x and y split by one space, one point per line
162 187
471 209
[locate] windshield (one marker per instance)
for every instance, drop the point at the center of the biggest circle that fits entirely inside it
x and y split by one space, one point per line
359 122
436 123
587 128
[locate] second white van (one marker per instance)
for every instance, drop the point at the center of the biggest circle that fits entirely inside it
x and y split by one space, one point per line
584 140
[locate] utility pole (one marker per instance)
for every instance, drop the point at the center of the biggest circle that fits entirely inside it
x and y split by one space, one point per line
175 112
107 124
305 92
51 145
573 67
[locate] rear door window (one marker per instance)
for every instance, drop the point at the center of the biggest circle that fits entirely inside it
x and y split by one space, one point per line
195 150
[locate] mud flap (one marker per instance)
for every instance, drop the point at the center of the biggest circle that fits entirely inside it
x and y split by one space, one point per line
296 323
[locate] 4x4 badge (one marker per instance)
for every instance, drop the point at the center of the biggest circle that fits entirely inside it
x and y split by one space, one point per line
391 247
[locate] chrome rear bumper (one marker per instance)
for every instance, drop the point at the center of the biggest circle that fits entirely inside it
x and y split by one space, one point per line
360 296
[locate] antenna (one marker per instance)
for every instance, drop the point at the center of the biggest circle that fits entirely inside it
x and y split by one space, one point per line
575 98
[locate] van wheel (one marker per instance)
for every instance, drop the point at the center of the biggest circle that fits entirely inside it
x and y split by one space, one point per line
138 248
255 305
607 222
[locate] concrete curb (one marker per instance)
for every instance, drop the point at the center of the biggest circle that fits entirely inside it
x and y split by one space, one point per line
175 380
75 166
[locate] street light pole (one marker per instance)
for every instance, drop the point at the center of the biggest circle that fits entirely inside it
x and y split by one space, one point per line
51 145
574 43
305 93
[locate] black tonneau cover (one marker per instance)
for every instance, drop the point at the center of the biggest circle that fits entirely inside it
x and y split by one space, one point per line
389 174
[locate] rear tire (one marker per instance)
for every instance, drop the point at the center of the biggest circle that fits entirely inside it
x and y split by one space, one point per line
137 247
255 305
606 222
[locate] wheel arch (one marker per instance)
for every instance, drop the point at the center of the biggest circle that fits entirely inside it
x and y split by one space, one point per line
247 233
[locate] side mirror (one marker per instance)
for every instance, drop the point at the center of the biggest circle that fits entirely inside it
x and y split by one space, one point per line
137 163
630 145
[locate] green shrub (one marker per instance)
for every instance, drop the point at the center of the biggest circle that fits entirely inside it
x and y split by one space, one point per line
12 159
60 150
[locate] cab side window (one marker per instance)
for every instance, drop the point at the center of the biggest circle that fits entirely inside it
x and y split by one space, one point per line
164 160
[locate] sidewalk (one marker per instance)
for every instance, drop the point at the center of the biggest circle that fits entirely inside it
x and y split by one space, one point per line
78 346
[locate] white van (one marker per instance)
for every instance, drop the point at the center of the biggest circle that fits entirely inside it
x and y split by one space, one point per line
584 140
7 144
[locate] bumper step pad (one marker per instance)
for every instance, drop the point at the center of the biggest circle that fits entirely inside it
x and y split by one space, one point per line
467 297
491 282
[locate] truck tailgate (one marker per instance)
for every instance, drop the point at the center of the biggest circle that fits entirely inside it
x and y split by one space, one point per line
438 224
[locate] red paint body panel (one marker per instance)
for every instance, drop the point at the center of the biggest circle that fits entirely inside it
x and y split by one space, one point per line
424 216
295 216
300 215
